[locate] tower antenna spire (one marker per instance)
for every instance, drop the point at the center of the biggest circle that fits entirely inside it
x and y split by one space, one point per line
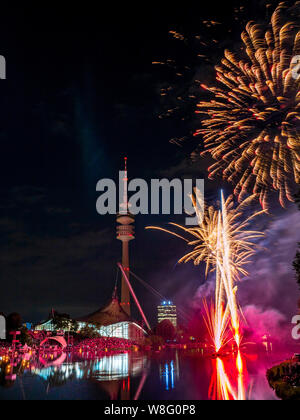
124 205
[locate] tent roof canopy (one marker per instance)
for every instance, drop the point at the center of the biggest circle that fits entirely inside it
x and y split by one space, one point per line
109 315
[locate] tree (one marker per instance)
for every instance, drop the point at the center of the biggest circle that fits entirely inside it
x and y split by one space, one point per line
297 260
74 326
89 332
154 341
25 337
297 266
166 330
63 322
13 323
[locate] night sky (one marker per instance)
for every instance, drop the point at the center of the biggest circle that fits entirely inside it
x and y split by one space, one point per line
81 94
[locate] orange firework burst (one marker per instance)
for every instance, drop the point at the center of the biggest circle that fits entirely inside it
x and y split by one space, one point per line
225 244
252 128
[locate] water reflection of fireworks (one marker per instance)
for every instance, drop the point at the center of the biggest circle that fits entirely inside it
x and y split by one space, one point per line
229 379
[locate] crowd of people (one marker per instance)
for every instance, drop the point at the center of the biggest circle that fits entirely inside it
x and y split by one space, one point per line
83 345
103 344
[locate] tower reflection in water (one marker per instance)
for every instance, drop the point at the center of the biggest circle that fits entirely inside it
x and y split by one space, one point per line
170 372
229 379
113 373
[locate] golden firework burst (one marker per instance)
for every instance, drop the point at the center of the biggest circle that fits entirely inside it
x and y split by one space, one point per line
252 126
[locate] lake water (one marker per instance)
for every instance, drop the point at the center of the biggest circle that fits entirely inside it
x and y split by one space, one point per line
169 375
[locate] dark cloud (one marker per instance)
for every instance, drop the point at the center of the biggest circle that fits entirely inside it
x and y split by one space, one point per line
45 264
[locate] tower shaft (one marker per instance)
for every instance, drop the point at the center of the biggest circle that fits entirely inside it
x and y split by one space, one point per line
125 233
125 293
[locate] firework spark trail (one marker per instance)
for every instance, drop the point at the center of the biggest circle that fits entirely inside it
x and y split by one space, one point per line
240 368
225 245
224 388
252 126
228 278
217 321
221 318
224 281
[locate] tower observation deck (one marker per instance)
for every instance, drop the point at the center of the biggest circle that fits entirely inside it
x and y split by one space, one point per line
125 234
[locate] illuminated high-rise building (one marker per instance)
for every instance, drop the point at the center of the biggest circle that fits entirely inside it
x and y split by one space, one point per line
167 310
125 233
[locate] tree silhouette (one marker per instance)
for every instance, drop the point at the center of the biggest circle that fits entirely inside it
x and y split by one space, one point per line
297 260
13 323
166 330
64 322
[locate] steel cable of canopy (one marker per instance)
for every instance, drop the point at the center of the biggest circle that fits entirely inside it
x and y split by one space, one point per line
160 296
